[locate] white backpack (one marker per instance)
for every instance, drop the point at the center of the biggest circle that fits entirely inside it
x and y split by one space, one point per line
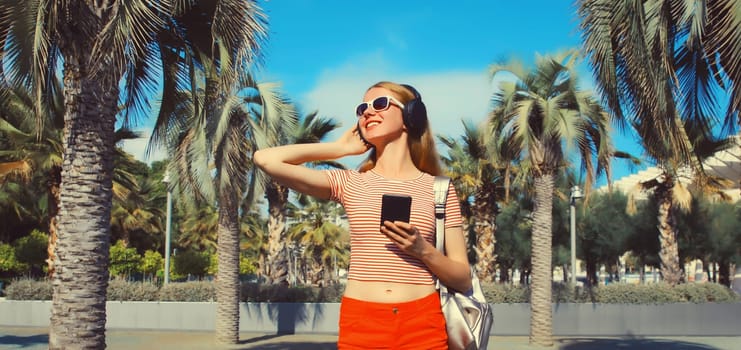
468 317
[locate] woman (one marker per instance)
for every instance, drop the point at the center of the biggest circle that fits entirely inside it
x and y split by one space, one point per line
390 300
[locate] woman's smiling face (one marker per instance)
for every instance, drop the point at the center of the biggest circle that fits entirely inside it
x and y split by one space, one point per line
386 122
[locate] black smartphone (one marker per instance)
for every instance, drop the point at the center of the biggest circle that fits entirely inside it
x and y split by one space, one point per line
395 207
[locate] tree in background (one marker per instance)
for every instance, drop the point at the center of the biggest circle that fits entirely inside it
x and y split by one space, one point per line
710 233
475 169
105 46
32 149
325 244
603 229
292 129
513 248
152 264
663 67
538 111
125 261
643 243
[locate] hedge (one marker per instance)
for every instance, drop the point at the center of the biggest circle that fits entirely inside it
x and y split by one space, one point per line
617 293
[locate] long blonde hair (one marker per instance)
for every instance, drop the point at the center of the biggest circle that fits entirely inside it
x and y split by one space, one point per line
421 146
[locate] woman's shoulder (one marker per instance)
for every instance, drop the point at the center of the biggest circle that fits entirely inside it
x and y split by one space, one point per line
345 175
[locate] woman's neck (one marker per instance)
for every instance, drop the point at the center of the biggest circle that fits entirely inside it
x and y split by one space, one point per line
395 162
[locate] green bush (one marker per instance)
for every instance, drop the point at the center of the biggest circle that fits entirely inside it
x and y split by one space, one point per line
496 293
8 263
706 292
121 290
124 261
332 293
255 292
205 291
192 263
188 291
618 293
31 251
153 264
28 289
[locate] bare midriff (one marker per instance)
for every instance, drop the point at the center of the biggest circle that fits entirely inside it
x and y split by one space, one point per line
387 292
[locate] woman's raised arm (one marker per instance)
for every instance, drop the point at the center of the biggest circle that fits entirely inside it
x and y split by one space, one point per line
284 163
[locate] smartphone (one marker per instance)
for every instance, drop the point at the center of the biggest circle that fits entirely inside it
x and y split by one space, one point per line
395 207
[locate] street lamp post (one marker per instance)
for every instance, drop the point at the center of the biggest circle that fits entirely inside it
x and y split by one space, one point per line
166 181
575 194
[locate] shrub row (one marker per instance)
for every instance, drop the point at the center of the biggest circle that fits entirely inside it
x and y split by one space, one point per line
121 290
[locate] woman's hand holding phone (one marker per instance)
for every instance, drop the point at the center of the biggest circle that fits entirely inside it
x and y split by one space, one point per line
406 237
395 215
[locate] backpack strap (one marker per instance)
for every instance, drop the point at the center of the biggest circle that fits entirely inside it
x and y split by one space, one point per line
441 196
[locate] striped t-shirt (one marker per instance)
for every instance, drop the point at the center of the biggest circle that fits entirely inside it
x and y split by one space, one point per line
373 256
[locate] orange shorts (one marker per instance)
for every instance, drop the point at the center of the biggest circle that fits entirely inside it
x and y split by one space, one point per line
417 324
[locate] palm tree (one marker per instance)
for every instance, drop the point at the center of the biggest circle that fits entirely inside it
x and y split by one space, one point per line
663 61
199 229
208 132
209 49
40 151
137 218
538 112
325 242
99 44
483 177
35 144
293 129
461 167
664 66
671 194
254 240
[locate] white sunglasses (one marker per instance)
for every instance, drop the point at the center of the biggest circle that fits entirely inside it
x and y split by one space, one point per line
379 104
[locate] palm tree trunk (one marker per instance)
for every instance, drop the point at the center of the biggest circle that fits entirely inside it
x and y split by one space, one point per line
227 277
277 264
54 193
485 242
671 271
541 322
507 182
80 281
591 267
503 274
485 208
724 272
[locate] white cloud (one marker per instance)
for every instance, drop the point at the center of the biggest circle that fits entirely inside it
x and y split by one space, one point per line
137 147
450 96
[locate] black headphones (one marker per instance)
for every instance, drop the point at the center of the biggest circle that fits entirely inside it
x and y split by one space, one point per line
415 113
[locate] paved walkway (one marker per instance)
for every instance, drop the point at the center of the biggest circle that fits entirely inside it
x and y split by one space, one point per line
28 338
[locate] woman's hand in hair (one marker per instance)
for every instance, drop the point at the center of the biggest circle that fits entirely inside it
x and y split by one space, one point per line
351 142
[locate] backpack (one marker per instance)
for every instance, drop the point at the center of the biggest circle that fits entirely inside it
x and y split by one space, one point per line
468 317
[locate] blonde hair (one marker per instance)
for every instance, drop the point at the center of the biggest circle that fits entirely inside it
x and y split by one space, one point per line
421 146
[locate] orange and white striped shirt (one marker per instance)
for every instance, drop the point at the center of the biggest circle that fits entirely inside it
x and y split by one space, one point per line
373 256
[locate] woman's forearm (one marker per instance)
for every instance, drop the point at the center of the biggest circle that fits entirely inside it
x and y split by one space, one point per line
284 165
297 154
455 275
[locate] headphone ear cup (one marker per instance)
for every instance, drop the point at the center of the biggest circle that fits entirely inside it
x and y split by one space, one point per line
415 115
415 112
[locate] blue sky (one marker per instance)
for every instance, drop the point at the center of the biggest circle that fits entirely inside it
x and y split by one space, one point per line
326 53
